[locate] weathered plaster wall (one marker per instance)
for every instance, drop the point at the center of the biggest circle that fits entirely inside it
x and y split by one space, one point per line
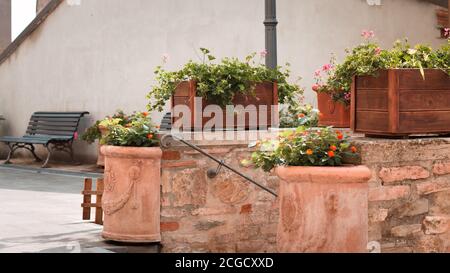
40 4
409 193
5 23
100 55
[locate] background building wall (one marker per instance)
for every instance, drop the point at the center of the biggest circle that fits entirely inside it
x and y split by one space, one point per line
5 23
100 55
40 4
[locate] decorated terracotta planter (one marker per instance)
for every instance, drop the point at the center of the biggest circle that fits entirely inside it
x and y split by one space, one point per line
131 200
265 96
100 156
323 209
332 113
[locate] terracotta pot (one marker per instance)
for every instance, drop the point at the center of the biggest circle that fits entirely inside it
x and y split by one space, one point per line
100 156
323 209
131 199
332 113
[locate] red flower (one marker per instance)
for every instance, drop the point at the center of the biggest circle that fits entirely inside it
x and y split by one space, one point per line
331 154
354 149
301 115
333 148
150 136
145 114
340 136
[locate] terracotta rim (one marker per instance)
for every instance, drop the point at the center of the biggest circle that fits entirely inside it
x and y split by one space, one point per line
132 152
344 174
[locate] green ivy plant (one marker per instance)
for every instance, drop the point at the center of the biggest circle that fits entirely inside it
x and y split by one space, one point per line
220 82
303 147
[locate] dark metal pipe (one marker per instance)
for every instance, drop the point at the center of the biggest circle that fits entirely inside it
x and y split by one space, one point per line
271 33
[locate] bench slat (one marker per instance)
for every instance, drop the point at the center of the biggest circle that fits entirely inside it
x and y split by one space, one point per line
48 132
52 128
47 119
54 123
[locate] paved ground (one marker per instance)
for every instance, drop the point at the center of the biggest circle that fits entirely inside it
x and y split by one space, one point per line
42 213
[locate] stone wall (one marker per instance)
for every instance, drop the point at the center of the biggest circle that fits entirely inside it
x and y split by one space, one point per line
224 214
409 196
409 199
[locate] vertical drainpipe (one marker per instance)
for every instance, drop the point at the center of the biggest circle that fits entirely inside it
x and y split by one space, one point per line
271 33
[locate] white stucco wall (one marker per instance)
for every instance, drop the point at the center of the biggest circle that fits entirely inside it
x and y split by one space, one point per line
100 56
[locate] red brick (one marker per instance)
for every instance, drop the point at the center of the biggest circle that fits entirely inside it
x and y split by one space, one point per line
436 185
171 155
169 226
179 164
388 193
246 209
442 168
391 175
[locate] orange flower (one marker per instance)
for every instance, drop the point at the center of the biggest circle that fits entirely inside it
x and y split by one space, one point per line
354 149
145 114
309 152
331 154
301 116
157 127
340 136
333 148
150 136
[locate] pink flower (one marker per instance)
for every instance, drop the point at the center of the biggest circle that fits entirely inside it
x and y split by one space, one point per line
165 57
327 67
367 34
377 51
75 136
317 73
446 32
316 87
348 96
263 53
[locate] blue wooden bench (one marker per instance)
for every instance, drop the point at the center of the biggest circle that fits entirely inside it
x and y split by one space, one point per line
54 130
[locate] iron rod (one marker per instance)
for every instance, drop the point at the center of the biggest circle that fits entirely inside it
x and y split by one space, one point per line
224 165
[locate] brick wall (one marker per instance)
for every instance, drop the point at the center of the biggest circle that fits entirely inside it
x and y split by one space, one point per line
224 214
409 199
409 196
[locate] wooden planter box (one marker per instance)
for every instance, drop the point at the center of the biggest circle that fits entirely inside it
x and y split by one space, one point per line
266 94
332 113
399 102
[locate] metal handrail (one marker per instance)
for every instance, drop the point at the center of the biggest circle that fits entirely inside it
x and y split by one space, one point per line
165 143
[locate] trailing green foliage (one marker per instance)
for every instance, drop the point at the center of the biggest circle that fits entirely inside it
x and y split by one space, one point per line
139 132
219 82
303 147
296 115
368 58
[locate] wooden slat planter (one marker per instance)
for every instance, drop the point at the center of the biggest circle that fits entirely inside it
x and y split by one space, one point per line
399 102
265 94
